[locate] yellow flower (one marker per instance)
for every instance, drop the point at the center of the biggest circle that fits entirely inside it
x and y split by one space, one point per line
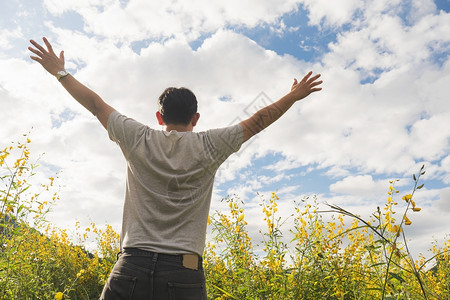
416 209
9 209
407 197
395 229
241 217
59 296
407 221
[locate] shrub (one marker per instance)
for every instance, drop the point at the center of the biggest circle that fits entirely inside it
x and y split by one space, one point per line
37 260
363 259
367 259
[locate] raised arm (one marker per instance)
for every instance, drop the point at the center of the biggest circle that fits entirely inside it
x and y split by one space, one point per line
85 96
269 114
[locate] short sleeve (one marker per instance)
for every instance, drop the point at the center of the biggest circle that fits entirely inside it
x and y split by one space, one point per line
126 132
226 141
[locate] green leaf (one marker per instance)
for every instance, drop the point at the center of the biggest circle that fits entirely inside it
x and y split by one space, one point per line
223 291
414 177
240 271
396 276
378 264
420 186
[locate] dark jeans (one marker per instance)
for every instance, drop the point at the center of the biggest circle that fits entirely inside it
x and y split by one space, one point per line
139 275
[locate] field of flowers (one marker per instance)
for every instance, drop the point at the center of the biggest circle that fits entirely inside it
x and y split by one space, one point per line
345 258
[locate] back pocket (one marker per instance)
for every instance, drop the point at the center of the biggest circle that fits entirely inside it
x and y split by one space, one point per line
187 291
119 287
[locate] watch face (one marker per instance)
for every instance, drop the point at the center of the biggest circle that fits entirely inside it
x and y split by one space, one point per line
61 74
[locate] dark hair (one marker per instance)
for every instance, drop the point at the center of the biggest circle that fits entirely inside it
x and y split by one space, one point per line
177 105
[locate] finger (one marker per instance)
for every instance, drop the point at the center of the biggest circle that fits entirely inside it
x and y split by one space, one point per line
35 51
314 78
35 58
61 55
294 84
49 46
39 47
306 76
316 83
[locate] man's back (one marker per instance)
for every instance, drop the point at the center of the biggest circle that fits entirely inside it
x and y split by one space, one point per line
169 183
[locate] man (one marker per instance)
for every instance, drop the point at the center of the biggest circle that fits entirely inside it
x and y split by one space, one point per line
169 183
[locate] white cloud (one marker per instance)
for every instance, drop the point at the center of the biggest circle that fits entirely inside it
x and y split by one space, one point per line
420 8
283 165
140 19
445 169
381 126
339 13
444 200
360 185
333 13
7 35
430 137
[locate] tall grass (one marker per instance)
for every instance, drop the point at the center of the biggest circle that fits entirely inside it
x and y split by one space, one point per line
342 256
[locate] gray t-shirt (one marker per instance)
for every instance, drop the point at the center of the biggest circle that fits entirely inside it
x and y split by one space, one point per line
170 178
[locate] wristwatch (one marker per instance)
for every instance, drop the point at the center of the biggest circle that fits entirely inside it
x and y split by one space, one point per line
61 74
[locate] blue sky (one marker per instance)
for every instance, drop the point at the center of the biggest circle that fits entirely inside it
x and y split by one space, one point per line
383 112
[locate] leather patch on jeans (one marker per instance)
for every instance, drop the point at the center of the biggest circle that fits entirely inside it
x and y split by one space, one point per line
190 261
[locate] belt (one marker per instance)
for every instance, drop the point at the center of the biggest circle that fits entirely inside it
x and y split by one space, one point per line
190 261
